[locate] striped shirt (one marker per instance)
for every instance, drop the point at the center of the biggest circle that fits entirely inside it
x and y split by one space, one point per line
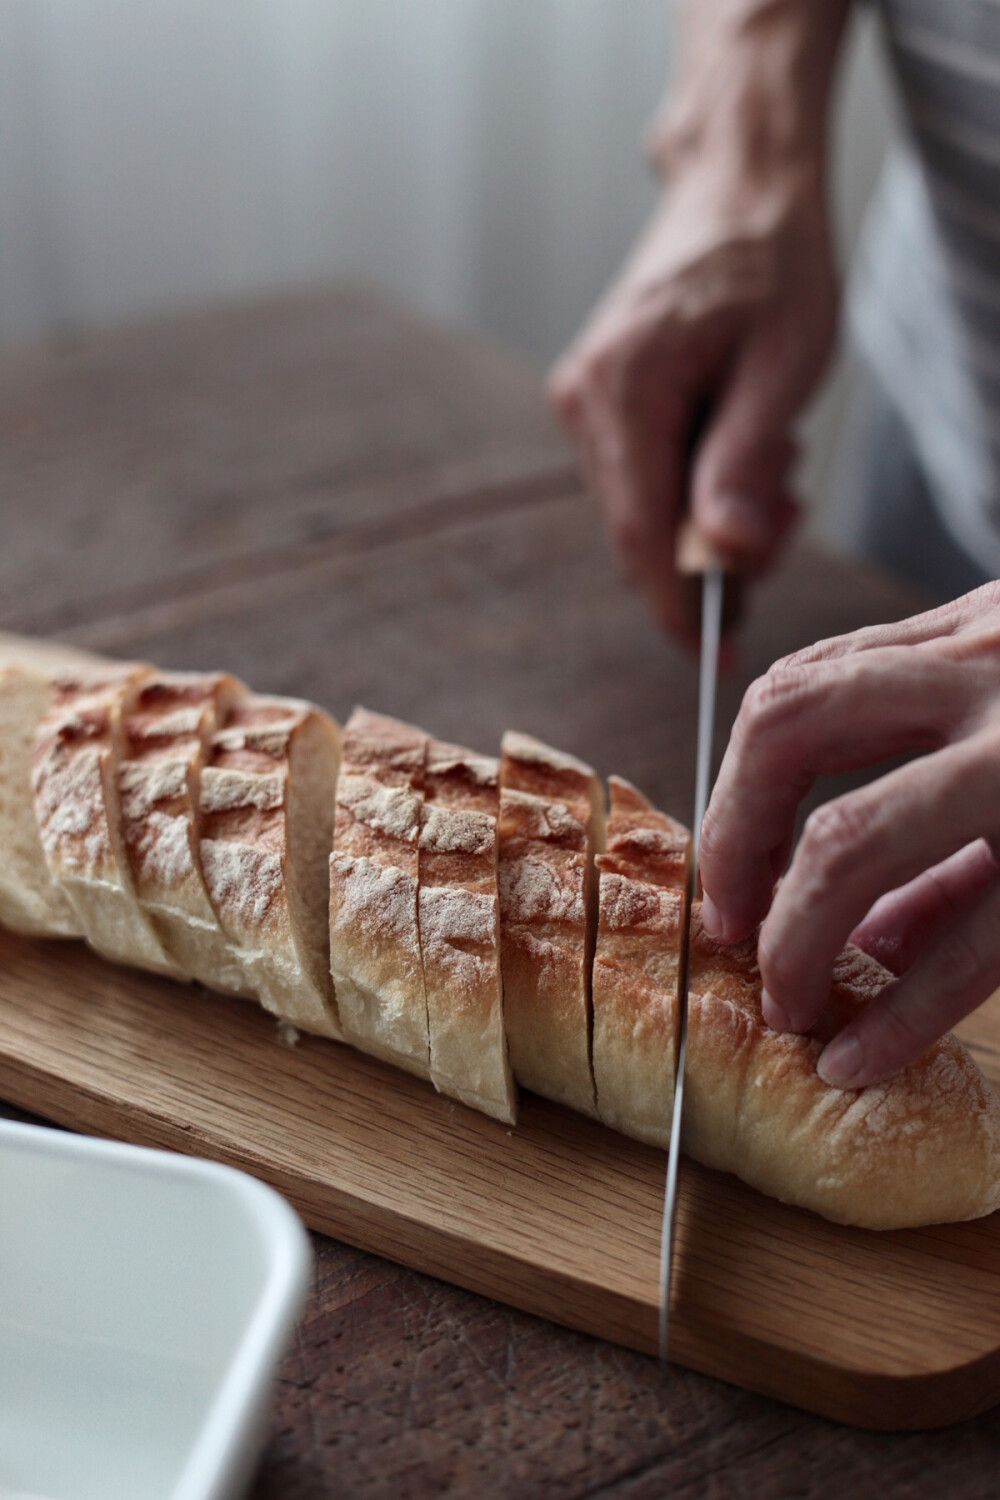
924 303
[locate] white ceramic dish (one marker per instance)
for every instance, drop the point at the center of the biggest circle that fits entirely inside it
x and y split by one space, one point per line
145 1300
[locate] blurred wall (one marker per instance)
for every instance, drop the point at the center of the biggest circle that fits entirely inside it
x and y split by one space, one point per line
478 156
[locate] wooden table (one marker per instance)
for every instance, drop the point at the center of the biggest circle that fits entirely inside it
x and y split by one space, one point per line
332 499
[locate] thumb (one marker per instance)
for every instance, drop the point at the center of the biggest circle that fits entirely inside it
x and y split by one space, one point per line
741 480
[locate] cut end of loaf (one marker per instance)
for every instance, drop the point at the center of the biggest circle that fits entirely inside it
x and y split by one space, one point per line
267 824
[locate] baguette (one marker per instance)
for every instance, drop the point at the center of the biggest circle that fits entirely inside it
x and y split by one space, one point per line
77 751
642 911
459 914
167 735
921 1148
267 810
101 773
375 953
31 901
551 821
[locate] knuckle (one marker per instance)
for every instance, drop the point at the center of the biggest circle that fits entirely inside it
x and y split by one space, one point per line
600 371
708 840
563 390
833 843
771 700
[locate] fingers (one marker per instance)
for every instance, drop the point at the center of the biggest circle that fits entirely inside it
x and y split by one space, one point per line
633 447
741 498
953 618
631 393
797 723
955 974
858 847
903 922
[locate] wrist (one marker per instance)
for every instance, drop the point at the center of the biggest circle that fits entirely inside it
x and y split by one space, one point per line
718 192
754 93
742 140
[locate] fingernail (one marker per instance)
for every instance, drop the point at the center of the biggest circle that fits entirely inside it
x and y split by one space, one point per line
711 919
775 1015
737 520
841 1062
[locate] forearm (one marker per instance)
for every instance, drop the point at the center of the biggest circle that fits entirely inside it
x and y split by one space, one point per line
754 90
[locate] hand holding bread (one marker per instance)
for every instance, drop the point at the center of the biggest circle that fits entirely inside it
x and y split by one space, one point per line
905 866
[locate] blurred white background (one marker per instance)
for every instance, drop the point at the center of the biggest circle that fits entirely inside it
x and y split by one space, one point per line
479 157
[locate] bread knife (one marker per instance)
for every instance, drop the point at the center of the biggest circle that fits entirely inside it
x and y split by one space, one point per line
713 592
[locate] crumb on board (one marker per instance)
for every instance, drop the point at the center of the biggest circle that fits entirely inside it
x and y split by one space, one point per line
288 1035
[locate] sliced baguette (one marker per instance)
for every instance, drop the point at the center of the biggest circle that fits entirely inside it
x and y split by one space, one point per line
78 747
267 797
459 914
374 878
166 737
31 900
921 1148
642 901
551 822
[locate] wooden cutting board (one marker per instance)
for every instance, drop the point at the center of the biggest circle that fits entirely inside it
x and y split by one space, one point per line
559 1216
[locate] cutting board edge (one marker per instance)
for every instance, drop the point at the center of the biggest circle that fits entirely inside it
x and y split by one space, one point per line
875 1401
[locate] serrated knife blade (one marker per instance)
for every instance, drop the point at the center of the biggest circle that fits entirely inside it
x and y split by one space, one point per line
712 597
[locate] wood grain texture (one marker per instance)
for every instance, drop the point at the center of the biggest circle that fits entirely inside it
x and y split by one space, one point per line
399 1384
558 1217
172 456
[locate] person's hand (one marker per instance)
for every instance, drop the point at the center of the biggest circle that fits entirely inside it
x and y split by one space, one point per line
722 321
906 867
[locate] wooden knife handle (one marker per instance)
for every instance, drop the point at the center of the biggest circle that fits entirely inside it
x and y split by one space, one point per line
694 555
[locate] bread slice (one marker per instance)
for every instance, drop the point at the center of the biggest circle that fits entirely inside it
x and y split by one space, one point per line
78 747
30 899
551 822
374 875
459 913
637 966
267 797
167 735
921 1148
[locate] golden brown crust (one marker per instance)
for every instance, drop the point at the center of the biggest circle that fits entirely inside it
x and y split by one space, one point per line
75 781
550 822
921 1148
642 901
265 856
165 735
460 930
30 900
375 953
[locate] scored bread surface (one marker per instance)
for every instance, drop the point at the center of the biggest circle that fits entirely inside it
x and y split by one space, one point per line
551 823
267 820
78 749
375 953
166 737
31 901
921 1148
637 965
447 910
459 914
